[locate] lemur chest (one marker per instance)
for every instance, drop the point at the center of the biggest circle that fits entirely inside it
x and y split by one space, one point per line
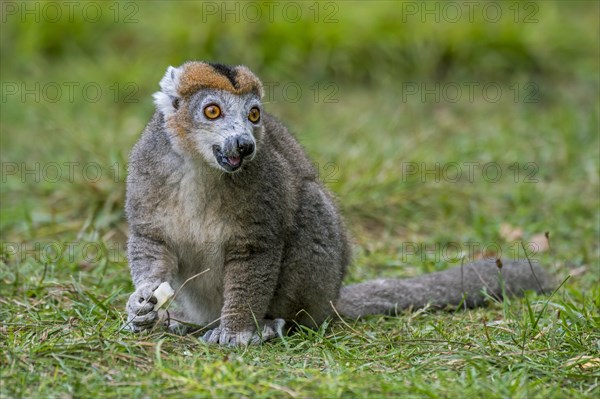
192 223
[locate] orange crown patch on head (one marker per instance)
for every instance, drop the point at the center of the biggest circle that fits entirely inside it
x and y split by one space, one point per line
197 75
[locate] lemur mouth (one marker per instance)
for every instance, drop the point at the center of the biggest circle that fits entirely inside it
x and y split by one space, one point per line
231 163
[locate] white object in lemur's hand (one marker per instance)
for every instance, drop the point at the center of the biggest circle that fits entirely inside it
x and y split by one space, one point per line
163 293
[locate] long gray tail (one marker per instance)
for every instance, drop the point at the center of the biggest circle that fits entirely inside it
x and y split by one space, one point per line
446 288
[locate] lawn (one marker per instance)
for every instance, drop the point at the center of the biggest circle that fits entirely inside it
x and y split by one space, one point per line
444 136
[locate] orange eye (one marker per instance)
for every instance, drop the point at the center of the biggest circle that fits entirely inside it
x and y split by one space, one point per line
212 111
254 115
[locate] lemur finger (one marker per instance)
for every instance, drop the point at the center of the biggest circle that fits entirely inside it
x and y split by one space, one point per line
212 336
242 339
142 309
226 338
271 329
149 318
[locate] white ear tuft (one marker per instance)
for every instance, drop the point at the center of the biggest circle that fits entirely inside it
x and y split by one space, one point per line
167 98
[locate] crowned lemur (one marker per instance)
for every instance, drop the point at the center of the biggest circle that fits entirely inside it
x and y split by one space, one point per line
219 190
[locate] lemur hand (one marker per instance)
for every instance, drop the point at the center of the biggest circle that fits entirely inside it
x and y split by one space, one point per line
141 312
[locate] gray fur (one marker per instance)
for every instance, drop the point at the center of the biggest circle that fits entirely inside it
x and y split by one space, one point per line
451 287
269 233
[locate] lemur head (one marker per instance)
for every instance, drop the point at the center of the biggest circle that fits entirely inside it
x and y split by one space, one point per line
212 111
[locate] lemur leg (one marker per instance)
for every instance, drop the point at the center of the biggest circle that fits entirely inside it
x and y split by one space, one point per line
314 263
251 271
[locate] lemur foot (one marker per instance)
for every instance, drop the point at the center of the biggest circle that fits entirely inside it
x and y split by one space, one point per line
177 324
224 336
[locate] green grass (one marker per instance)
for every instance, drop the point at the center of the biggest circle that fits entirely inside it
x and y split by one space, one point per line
63 275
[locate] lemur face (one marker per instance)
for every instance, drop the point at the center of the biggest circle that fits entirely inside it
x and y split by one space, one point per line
213 112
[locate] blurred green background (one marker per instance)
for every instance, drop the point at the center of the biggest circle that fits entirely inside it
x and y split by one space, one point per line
365 87
370 89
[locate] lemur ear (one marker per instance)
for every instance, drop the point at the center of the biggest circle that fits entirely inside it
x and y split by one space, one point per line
167 100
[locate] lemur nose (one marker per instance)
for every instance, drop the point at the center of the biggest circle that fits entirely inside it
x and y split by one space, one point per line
245 145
